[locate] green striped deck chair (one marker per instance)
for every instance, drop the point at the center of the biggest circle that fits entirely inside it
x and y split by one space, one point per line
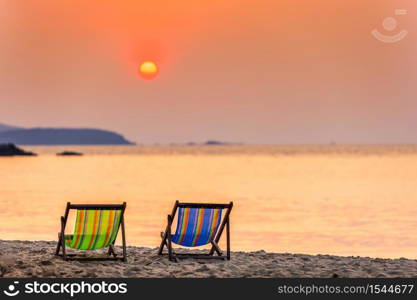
96 227
198 224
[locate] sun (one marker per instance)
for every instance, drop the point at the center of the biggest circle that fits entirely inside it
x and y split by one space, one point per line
148 70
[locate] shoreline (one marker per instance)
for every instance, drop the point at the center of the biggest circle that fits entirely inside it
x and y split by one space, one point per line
21 259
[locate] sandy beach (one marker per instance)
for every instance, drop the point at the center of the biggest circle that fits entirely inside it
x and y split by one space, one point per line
37 259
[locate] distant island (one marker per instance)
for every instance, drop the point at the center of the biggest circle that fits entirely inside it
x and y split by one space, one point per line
60 136
216 143
208 143
4 127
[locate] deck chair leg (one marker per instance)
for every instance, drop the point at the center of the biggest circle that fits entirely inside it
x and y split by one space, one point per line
163 243
166 245
216 241
58 247
170 254
111 250
61 236
64 254
124 240
228 238
216 248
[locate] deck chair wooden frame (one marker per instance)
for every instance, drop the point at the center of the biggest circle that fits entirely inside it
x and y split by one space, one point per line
111 251
167 236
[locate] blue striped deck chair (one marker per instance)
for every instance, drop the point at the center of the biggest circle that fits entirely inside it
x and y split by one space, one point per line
96 227
198 224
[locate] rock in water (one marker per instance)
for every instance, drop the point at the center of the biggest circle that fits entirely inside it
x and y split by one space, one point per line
69 153
12 150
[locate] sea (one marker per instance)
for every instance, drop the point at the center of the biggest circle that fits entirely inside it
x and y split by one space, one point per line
344 200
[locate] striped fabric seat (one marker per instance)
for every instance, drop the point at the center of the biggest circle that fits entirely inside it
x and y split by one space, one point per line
196 226
94 229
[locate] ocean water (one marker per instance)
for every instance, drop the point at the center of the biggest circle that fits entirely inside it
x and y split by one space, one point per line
342 200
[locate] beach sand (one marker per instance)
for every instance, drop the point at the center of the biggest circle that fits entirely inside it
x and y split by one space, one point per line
37 259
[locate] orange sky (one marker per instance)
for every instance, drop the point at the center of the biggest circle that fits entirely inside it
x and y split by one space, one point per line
244 71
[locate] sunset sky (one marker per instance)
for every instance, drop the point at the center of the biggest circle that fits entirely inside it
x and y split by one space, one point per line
263 71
